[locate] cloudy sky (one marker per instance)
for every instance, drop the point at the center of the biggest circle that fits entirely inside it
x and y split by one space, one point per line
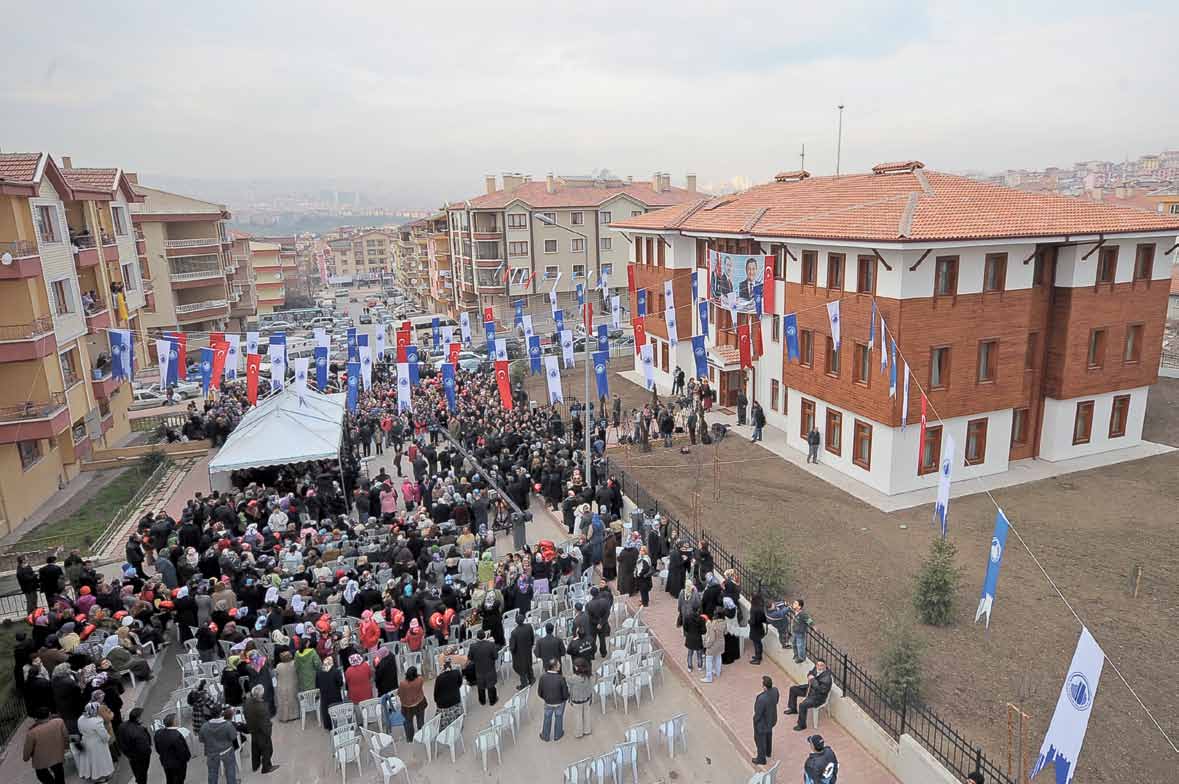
428 97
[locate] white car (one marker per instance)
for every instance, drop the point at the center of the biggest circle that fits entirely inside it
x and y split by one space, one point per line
467 360
146 398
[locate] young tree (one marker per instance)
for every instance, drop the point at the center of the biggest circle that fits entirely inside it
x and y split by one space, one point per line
937 584
771 564
900 664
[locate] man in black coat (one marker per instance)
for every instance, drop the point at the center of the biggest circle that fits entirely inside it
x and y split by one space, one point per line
386 675
51 578
485 656
814 693
173 751
549 647
598 610
520 644
26 578
765 716
135 743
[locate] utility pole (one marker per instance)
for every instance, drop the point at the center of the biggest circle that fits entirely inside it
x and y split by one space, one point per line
839 141
802 158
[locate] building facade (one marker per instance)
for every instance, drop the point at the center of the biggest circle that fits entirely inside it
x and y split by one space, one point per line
269 276
1033 322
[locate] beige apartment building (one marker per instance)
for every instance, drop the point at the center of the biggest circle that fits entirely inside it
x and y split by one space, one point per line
239 274
545 233
269 282
360 256
69 270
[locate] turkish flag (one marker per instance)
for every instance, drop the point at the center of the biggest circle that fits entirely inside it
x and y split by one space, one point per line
767 288
252 363
220 351
216 337
640 332
455 348
504 383
488 314
758 348
630 279
589 318
403 342
743 345
924 404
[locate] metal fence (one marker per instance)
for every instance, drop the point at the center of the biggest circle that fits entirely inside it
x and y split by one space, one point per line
12 714
895 716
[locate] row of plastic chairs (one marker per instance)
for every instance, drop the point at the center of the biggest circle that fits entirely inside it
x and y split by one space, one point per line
625 754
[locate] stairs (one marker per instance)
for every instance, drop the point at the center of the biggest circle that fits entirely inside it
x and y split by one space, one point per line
155 499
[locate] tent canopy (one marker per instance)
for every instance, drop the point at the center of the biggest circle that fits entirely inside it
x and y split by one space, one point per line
279 431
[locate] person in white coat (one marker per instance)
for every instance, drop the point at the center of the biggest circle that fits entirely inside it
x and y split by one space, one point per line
94 763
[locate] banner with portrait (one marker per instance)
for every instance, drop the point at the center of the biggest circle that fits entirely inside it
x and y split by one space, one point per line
735 280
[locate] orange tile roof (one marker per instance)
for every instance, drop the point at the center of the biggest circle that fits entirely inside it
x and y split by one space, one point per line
918 205
19 166
535 194
91 179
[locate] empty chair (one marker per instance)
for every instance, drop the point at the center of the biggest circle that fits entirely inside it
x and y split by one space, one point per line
768 776
606 765
640 733
644 677
580 772
451 736
520 700
626 755
309 703
190 645
179 702
371 710
342 715
603 690
487 740
389 767
378 741
629 687
675 730
655 660
502 719
635 621
427 734
346 748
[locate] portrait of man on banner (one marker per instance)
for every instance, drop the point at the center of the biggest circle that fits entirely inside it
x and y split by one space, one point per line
736 280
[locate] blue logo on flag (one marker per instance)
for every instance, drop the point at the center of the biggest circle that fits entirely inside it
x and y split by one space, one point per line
1079 693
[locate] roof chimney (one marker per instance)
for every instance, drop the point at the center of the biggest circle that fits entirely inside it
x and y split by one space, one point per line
131 177
550 184
666 184
67 162
513 181
691 183
656 182
798 175
489 181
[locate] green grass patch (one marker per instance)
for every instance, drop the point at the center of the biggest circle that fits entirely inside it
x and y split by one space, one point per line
81 528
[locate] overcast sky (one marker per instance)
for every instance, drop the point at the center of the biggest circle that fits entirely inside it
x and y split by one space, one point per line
428 97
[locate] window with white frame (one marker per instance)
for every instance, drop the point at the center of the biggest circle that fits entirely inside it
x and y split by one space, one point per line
517 248
119 217
47 228
130 276
635 213
579 270
576 218
550 272
605 243
604 217
517 220
550 246
607 269
548 217
577 245
61 295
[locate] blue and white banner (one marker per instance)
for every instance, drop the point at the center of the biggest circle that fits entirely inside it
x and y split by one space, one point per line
465 326
553 294
366 367
567 347
641 302
436 331
603 338
790 325
489 330
673 337
872 328
892 370
251 342
559 319
616 311
1066 733
833 318
580 295
300 364
278 364
884 345
501 350
700 354
404 387
669 293
164 354
994 560
905 403
321 367
534 364
412 354
526 323
206 369
758 300
447 334
175 372
121 353
321 337
699 283
703 307
448 384
941 509
600 360
553 376
353 354
232 355
353 385
648 356
379 339
519 317
361 341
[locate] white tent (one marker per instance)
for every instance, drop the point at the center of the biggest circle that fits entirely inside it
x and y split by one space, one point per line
279 431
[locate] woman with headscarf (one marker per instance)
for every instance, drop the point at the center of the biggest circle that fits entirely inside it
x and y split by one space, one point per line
233 679
628 556
67 695
688 603
643 572
286 690
677 568
259 673
330 682
370 632
307 664
610 551
385 675
359 677
94 761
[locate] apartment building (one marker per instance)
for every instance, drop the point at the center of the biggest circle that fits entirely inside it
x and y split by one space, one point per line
68 272
411 261
522 237
186 249
1034 322
269 279
239 276
289 258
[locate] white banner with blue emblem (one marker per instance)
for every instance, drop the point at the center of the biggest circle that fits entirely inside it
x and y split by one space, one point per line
301 364
278 364
232 355
120 340
366 367
404 390
553 375
616 311
465 326
567 347
1066 733
700 354
164 354
648 357
673 337
941 510
994 561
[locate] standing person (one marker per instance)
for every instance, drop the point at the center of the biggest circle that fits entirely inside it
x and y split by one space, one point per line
644 570
813 694
520 643
173 750
742 404
220 737
598 611
51 578
714 646
448 695
757 626
554 691
799 623
812 445
765 716
286 690
411 693
677 382
26 578
94 763
359 679
581 691
758 415
330 682
821 766
485 656
257 713
135 744
45 746
694 628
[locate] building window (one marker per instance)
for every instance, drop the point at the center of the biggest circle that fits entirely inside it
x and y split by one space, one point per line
604 217
517 220
47 224
931 451
1083 422
130 276
810 263
866 275
806 348
119 217
576 218
988 359
550 246
945 279
550 272
775 387
579 270
939 367
835 270
995 272
1031 357
606 243
69 368
862 445
832 358
638 250
976 441
1175 209
862 371
1144 262
577 245
776 328
1132 351
635 213
661 253
30 453
607 269
834 432
517 248
1107 265
779 262
1096 349
549 218
807 420
1019 426
1118 416
62 295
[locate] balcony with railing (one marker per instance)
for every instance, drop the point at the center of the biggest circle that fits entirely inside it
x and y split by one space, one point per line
30 340
85 248
186 271
200 311
34 419
98 313
486 226
192 246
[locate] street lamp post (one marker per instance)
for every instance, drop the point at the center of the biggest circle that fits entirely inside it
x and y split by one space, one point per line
585 249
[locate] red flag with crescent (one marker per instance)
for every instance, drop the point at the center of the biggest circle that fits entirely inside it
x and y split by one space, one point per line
589 318
454 350
220 351
758 348
488 314
743 345
402 343
767 288
640 327
504 383
216 337
252 363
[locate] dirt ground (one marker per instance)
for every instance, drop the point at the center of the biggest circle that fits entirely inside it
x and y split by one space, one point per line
1090 530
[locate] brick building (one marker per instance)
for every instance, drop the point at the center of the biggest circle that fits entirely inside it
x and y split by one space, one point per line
1033 321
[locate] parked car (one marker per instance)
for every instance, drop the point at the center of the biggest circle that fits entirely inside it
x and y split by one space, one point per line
146 398
277 326
326 322
365 318
467 360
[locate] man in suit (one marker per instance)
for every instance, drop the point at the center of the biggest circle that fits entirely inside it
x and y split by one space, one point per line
598 610
549 647
813 694
745 290
520 644
173 751
485 656
765 716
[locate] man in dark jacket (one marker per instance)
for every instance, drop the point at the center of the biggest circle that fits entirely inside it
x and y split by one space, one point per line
257 713
51 578
549 647
135 743
26 578
598 610
742 404
485 656
520 644
173 751
758 415
814 693
134 553
386 675
553 690
765 716
821 766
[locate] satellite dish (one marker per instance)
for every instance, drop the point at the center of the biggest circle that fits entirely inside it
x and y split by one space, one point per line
6 259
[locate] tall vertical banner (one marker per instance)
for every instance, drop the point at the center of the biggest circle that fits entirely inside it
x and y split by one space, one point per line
534 363
600 360
233 355
892 371
353 354
436 331
353 385
700 354
641 303
567 347
559 319
553 376
220 353
404 338
504 383
580 294
924 422
905 402
181 363
253 365
278 363
379 339
448 384
216 337
120 340
501 349
744 349
412 354
673 337
833 318
883 342
447 334
526 323
640 327
206 370
941 509
994 561
489 313
603 338
669 293
404 388
703 308
321 367
647 354
519 317
172 363
452 353
251 343
588 317
553 295
301 378
1066 734
790 326
768 286
366 367
630 279
489 330
616 311
465 326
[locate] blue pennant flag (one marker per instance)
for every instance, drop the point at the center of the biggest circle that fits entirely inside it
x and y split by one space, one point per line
206 369
353 384
321 367
448 384
580 295
559 319
361 340
872 328
411 357
892 368
489 328
695 285
1066 732
603 338
758 298
600 360
120 340
436 329
994 561
519 312
700 354
534 354
641 302
353 353
173 359
790 324
703 307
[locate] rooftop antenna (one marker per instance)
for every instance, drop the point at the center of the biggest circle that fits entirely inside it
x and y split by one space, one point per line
839 141
802 158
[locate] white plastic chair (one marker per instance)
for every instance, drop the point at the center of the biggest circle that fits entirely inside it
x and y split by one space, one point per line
768 776
378 741
629 687
640 733
504 718
346 748
389 767
426 735
580 772
451 736
309 703
604 689
519 704
342 715
487 740
676 731
626 754
371 710
815 710
645 677
606 765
